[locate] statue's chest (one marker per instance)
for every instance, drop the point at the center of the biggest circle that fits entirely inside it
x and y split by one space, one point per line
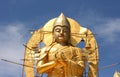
65 50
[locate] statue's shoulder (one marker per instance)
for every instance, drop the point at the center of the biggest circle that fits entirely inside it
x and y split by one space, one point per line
43 53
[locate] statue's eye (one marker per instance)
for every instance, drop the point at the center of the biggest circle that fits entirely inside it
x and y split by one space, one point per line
57 30
65 30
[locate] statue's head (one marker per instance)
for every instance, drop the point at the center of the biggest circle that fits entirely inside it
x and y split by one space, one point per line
72 29
61 29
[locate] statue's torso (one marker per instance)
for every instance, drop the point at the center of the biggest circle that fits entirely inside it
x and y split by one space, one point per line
60 70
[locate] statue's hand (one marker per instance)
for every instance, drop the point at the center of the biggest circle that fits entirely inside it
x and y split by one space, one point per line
60 57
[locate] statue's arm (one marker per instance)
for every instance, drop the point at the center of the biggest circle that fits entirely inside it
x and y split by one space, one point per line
76 63
77 59
43 65
79 62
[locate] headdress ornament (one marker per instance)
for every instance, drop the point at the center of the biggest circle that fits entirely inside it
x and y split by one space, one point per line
61 21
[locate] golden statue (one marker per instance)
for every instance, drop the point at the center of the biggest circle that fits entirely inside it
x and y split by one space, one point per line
61 57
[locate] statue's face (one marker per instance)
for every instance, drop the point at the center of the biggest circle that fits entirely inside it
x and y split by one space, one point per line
61 34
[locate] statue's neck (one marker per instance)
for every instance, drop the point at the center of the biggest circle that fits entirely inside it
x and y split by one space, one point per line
62 44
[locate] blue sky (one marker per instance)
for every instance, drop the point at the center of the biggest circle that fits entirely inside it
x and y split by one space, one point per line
17 17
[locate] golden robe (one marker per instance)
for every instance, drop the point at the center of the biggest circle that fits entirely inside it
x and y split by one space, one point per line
68 55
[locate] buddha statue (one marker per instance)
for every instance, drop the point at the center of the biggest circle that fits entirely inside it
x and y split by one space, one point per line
61 57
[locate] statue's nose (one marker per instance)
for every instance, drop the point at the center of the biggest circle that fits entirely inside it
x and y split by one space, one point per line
62 31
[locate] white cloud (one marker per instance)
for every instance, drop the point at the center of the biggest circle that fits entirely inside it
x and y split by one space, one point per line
109 30
11 48
106 28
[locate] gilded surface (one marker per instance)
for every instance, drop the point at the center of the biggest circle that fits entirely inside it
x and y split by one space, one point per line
116 74
61 57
